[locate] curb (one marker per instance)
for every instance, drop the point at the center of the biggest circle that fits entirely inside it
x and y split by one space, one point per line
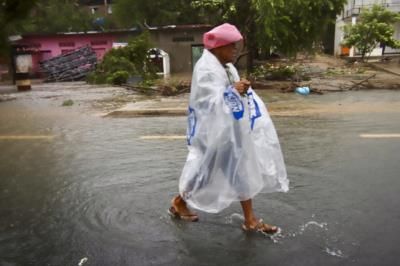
148 112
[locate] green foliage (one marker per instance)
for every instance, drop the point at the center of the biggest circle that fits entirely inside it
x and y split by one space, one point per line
50 16
119 64
12 13
118 78
129 13
342 71
43 16
374 27
96 78
282 26
279 72
293 26
68 103
213 11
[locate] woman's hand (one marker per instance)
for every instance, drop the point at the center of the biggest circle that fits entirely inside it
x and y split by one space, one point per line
242 86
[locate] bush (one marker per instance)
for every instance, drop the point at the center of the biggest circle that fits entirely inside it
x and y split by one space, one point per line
119 64
68 103
275 72
118 77
280 72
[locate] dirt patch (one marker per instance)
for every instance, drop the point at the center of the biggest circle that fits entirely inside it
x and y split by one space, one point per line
328 74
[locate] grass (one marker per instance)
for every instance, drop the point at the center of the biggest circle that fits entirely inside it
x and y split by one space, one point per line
68 103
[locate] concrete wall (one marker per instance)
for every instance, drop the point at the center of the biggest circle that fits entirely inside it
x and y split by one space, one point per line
178 44
339 35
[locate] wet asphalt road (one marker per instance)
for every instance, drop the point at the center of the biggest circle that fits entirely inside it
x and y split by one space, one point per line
79 189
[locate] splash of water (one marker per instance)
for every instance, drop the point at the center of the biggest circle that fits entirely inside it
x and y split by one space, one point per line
234 218
320 225
336 253
275 237
82 261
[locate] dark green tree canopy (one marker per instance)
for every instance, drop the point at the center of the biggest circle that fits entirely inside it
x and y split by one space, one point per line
154 13
49 16
11 13
279 25
297 25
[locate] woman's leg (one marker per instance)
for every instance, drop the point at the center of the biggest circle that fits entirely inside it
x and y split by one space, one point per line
180 204
180 210
250 220
249 217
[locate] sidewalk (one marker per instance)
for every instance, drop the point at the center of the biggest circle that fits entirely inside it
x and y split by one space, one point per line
172 106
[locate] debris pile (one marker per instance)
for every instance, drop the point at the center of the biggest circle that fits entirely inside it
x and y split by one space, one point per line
74 65
164 88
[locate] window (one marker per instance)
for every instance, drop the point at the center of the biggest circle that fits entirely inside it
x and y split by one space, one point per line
197 51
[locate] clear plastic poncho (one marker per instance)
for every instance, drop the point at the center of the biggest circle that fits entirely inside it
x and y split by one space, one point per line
234 151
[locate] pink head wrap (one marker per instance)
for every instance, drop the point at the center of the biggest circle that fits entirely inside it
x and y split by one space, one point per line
221 35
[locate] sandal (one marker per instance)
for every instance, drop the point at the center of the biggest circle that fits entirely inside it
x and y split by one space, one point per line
186 217
261 227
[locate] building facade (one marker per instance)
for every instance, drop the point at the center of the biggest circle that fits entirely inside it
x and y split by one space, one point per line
45 46
350 15
181 43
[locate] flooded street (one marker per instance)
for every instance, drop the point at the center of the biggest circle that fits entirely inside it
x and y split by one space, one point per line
80 189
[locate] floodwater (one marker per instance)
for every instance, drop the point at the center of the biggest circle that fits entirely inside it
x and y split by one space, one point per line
78 189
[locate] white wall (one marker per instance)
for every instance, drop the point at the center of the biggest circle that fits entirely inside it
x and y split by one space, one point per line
339 35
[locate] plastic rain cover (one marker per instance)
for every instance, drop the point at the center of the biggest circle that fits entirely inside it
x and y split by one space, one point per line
234 151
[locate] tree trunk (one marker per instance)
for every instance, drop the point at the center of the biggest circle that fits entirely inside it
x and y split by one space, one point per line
251 40
105 7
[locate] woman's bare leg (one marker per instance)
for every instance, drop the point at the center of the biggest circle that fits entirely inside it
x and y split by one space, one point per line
182 210
250 220
249 217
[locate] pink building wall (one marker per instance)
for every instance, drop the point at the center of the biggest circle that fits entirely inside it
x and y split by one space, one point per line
47 46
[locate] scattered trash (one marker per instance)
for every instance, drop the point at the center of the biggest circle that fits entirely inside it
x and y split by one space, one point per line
303 90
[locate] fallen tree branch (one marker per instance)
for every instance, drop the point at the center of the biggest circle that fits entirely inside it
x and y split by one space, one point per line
141 89
359 83
161 89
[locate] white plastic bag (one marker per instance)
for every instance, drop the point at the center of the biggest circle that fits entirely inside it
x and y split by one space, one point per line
234 151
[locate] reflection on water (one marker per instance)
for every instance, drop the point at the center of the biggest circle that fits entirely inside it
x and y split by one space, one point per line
96 193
